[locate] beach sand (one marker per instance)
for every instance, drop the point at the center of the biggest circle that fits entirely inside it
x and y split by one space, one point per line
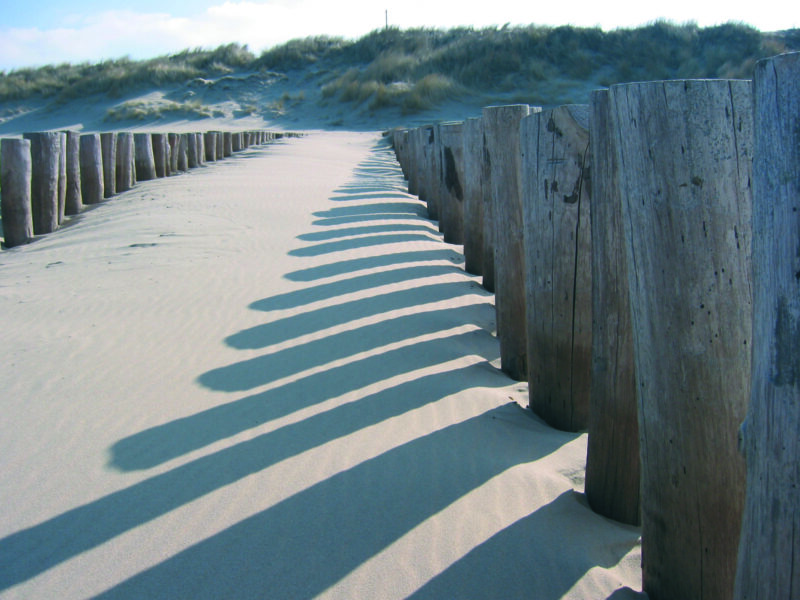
270 378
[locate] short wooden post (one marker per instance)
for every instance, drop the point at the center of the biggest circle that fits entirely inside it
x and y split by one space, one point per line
685 151
108 145
451 183
211 145
73 203
769 549
126 164
201 149
62 176
472 148
612 459
91 156
556 206
15 191
45 168
236 141
501 126
191 150
183 152
160 153
145 161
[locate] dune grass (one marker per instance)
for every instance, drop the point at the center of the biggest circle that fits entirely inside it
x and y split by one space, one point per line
418 69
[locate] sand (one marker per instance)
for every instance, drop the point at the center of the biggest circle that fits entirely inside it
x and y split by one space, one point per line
270 378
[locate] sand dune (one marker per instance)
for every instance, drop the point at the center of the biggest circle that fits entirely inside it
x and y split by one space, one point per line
271 378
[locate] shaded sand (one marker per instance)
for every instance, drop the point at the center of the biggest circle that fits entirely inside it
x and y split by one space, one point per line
270 378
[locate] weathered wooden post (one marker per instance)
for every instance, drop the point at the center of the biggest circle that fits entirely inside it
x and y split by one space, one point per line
556 208
769 549
160 154
183 152
126 163
501 127
211 145
236 141
201 149
685 151
411 153
73 204
15 191
220 152
612 459
472 148
191 150
451 183
45 168
91 156
145 161
108 148
423 160
487 265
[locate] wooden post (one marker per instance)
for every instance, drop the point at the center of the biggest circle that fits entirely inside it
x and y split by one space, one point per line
501 126
73 204
411 157
236 141
191 150
62 176
160 153
201 149
174 141
211 145
685 149
183 152
108 145
45 168
220 145
451 183
145 161
91 155
612 459
473 195
556 207
15 191
423 161
126 164
487 264
769 549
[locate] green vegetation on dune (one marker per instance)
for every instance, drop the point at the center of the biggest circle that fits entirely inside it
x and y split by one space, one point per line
419 69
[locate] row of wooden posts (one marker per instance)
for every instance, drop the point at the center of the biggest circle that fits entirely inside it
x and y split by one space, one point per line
48 176
644 252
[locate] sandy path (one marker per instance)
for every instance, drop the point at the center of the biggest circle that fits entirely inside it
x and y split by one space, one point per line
270 378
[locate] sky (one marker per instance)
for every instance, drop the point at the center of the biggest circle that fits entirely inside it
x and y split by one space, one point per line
40 32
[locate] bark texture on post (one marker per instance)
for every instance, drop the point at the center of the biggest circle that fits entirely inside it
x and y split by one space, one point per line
126 165
472 149
45 169
15 191
556 207
501 126
73 203
451 159
685 149
160 154
612 459
108 143
91 168
145 161
769 549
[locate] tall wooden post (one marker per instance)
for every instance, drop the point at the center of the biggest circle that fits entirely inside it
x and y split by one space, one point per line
451 183
201 149
473 195
160 153
685 150
556 208
612 458
501 126
91 156
108 144
45 169
434 167
487 263
211 145
769 549
126 164
220 138
73 203
15 195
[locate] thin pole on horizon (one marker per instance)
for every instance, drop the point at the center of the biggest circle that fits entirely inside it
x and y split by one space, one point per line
387 18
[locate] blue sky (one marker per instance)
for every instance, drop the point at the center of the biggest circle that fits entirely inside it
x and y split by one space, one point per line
38 32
